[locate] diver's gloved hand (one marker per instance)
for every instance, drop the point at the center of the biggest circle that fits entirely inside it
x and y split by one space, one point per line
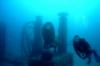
89 60
97 57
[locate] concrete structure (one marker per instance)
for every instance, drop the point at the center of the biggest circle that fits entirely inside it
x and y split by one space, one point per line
62 34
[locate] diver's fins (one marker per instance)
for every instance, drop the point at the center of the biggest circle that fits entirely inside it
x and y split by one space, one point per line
97 57
89 60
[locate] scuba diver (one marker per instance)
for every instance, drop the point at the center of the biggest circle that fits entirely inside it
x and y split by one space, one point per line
84 50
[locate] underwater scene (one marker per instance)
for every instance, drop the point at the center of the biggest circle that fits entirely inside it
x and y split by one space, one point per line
49 32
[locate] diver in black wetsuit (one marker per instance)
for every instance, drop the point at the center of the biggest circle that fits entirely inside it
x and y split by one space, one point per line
83 49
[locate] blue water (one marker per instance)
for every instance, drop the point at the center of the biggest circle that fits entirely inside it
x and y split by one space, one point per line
82 19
